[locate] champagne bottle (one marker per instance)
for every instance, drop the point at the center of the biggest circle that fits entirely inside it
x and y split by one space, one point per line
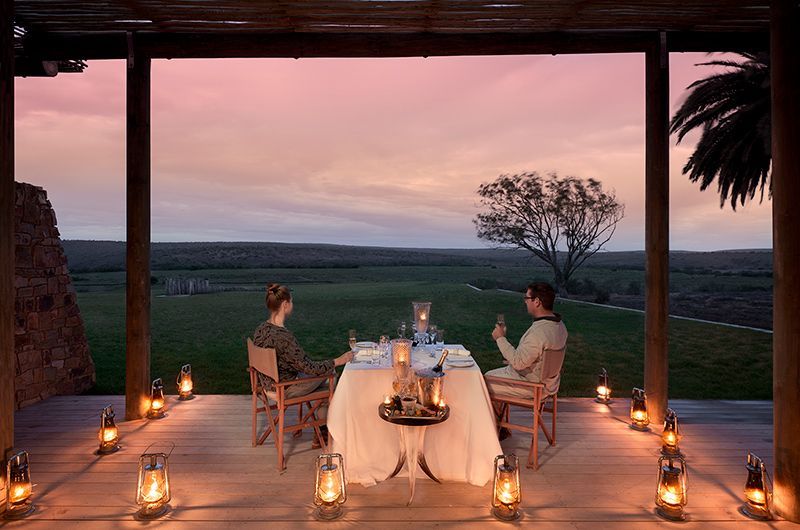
438 367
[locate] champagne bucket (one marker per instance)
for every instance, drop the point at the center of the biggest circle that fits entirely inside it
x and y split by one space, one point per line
430 387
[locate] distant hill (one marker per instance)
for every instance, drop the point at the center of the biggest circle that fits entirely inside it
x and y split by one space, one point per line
96 256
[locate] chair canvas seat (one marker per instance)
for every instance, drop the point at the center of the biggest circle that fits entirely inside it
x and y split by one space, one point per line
537 403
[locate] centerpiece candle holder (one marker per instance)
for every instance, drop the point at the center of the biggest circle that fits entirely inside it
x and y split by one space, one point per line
422 317
401 352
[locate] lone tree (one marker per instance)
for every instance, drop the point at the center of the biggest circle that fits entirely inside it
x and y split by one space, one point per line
562 221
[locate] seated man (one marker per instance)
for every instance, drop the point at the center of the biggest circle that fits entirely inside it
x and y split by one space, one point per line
292 360
525 361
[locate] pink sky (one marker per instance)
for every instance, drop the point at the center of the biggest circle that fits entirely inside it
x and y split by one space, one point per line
358 151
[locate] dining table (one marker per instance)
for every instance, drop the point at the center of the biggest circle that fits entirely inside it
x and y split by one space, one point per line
461 449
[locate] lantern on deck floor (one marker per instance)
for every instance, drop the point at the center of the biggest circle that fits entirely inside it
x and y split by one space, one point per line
185 383
506 493
156 400
152 490
671 492
603 390
108 433
640 419
18 486
330 491
757 490
671 435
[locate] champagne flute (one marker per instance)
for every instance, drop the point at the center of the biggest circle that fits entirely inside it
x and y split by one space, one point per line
352 339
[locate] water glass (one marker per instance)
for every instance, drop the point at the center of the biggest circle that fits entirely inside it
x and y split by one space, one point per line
440 337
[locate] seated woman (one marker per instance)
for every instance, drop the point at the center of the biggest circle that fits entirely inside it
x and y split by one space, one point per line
293 362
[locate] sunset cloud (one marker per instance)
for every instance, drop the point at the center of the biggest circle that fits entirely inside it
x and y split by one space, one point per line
357 151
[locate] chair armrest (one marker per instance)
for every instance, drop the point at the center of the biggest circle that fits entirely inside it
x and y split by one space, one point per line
511 382
304 380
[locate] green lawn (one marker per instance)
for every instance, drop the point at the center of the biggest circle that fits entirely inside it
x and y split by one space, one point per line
208 331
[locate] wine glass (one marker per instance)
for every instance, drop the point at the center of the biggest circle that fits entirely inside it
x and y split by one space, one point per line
352 339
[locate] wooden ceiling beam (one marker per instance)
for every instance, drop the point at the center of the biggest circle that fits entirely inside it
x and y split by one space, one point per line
350 44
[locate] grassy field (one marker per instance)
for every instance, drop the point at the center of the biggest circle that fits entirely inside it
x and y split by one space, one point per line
208 331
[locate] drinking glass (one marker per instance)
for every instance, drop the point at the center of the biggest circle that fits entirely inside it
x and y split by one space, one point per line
439 337
409 405
501 319
352 339
383 346
432 333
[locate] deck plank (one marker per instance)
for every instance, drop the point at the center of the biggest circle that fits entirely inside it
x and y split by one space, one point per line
600 474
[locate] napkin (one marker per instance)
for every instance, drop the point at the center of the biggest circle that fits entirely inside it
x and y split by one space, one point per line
458 350
366 353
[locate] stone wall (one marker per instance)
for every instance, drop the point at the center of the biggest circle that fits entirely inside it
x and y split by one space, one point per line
52 353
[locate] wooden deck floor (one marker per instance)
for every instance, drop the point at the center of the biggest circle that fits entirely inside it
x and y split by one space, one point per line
601 474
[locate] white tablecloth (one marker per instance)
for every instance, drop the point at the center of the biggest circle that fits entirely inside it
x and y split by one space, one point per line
460 449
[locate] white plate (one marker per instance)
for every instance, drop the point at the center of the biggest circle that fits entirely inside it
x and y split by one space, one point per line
459 363
366 344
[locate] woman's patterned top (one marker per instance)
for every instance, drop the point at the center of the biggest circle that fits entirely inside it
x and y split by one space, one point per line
292 360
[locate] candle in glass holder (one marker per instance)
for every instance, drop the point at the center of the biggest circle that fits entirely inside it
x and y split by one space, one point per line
401 352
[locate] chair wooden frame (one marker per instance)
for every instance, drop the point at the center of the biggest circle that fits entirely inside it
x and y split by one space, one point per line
538 403
274 403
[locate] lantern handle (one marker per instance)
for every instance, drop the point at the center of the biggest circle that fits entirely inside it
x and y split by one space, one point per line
171 443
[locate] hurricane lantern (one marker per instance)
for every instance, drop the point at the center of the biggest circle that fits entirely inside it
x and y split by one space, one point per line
506 493
422 316
757 490
603 390
18 486
640 419
108 433
152 491
671 492
156 400
401 352
184 383
330 490
671 434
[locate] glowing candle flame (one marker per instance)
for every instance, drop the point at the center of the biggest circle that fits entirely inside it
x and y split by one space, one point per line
602 391
20 492
506 493
638 415
186 385
756 496
109 434
670 438
329 487
670 496
153 492
157 404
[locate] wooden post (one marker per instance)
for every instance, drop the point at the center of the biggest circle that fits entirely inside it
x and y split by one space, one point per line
7 199
656 366
785 73
137 355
